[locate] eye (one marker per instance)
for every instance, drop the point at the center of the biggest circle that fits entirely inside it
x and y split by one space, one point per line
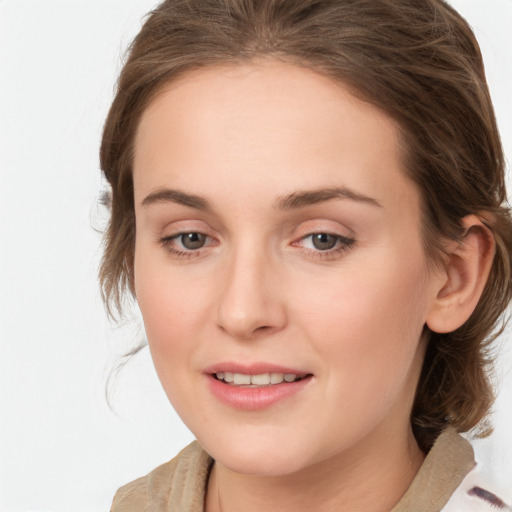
186 244
324 244
324 241
192 241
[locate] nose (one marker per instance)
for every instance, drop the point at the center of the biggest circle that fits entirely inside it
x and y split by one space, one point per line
251 302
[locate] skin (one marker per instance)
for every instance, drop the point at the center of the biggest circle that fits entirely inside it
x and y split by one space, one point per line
243 138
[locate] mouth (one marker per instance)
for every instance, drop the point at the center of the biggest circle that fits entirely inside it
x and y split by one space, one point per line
257 386
258 380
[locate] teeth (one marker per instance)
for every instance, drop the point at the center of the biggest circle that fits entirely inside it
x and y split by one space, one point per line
239 379
262 379
276 378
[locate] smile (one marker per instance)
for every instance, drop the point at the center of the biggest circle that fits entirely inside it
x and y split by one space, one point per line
255 387
261 379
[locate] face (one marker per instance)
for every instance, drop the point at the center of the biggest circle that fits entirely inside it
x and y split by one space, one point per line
277 240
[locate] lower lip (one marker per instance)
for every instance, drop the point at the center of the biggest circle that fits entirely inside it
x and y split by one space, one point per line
254 399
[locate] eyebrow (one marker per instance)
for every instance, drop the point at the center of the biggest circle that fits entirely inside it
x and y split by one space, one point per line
167 195
311 197
292 201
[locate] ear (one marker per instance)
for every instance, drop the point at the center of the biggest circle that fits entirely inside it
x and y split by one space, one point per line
466 270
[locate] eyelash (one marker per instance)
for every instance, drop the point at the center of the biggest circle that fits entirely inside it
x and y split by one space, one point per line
344 244
167 241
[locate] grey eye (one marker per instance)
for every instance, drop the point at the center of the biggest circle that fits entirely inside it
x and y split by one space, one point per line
192 240
324 241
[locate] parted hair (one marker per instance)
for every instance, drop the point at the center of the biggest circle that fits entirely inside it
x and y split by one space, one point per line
417 60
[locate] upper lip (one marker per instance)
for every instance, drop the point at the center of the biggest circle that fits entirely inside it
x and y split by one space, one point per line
256 368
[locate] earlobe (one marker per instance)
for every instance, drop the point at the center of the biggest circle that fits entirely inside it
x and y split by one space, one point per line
467 268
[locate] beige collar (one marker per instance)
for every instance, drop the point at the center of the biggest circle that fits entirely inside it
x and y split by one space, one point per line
447 463
181 483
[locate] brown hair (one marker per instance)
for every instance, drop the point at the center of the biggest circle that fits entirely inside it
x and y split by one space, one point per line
419 61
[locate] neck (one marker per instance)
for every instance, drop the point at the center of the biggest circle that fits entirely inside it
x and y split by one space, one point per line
372 477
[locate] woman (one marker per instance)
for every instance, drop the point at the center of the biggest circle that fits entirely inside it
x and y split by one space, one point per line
308 204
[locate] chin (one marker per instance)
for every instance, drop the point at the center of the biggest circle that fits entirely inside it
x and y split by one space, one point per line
259 456
259 464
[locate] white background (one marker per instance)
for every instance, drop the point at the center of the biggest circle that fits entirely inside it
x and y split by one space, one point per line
61 447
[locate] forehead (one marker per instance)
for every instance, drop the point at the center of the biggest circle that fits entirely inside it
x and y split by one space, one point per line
262 122
263 96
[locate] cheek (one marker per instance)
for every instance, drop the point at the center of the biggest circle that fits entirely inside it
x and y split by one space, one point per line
170 314
369 321
171 309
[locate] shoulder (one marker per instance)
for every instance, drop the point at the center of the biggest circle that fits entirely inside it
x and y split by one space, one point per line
183 479
136 496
